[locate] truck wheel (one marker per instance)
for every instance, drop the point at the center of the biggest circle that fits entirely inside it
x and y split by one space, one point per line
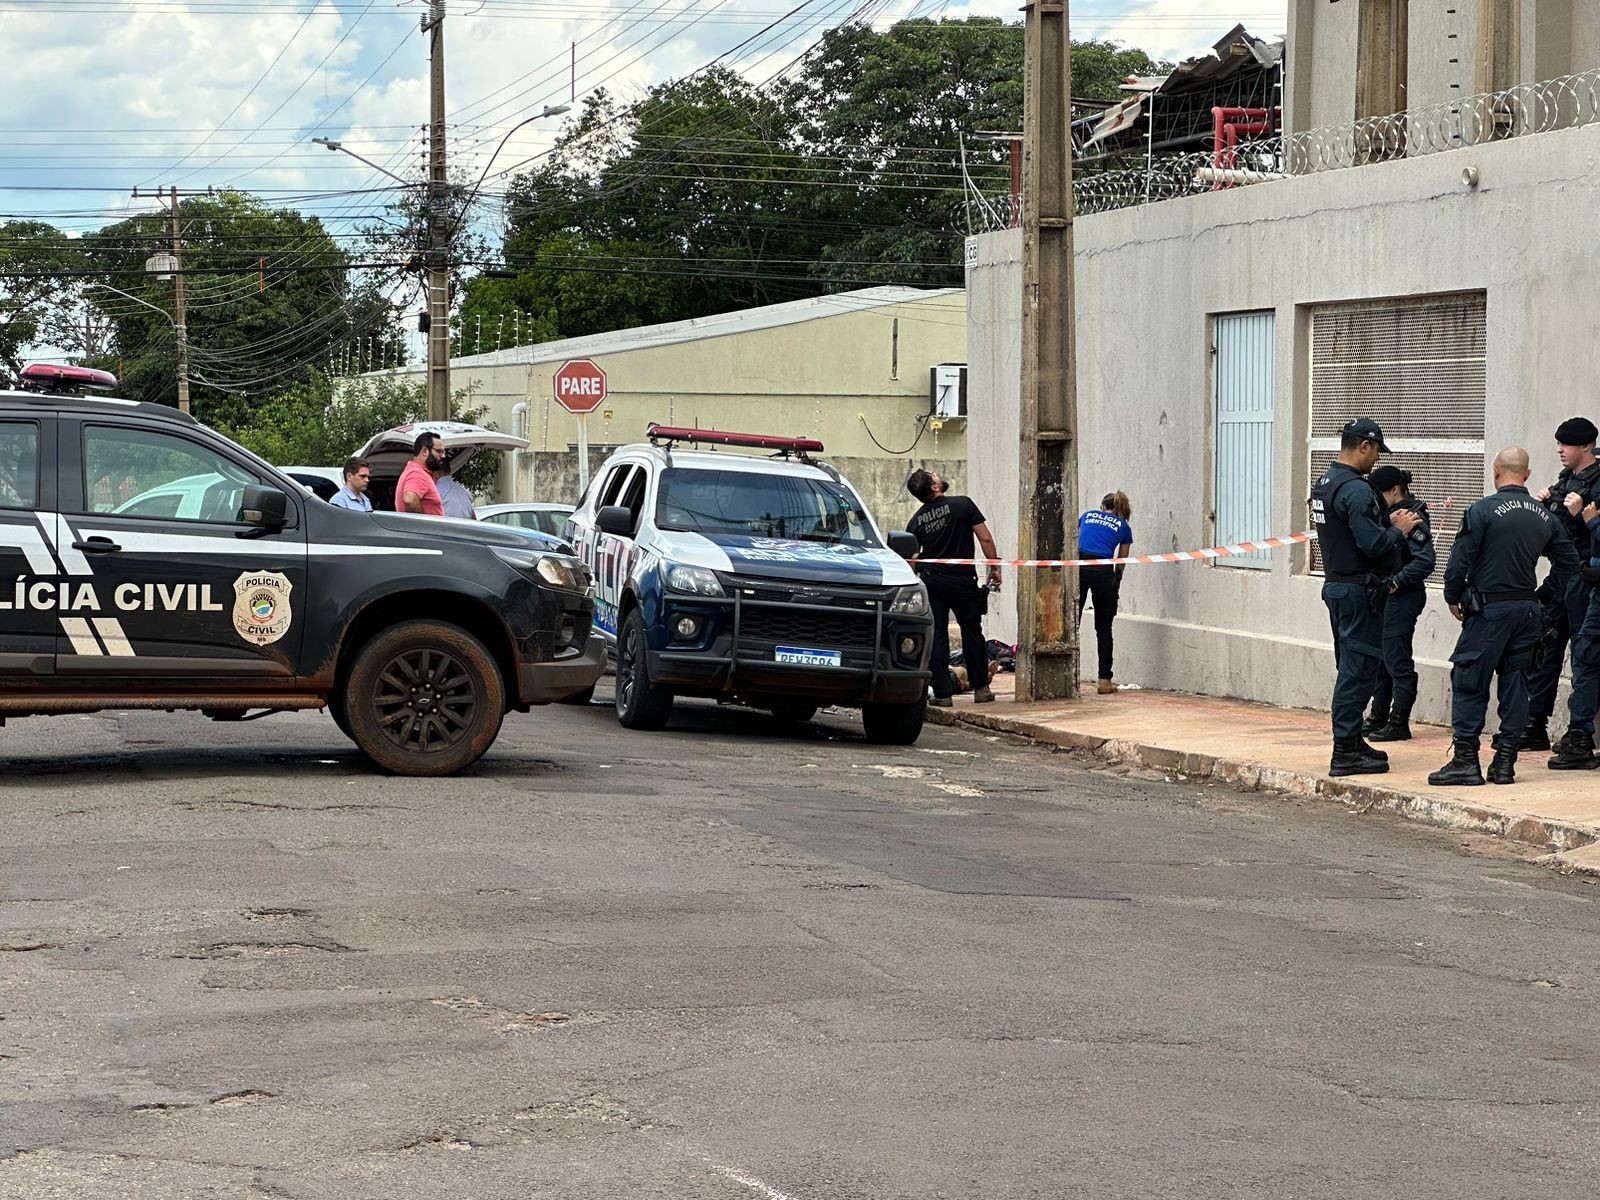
424 698
893 724
339 713
640 703
792 712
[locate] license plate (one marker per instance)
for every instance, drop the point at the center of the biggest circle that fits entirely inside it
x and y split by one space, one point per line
802 657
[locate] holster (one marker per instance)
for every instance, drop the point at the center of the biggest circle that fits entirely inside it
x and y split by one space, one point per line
1472 602
1377 594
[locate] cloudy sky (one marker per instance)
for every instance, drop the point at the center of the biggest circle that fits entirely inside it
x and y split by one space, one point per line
108 95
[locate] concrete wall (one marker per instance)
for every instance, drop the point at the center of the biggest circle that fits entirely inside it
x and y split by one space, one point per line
1149 279
994 373
552 475
813 378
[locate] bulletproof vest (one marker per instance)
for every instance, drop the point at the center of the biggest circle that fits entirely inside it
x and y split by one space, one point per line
1587 484
1340 554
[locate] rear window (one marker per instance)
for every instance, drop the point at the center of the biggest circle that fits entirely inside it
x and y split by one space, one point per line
791 507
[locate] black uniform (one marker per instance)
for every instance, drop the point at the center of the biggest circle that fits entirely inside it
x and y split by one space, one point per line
1491 574
1354 543
1567 606
1408 569
943 529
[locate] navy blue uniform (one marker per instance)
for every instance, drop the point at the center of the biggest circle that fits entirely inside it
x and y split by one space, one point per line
1354 543
1584 703
1567 606
1496 557
1411 565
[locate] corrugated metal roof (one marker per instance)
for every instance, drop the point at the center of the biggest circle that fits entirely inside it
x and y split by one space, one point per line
748 320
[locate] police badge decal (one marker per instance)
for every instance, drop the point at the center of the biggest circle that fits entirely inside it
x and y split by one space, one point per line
261 612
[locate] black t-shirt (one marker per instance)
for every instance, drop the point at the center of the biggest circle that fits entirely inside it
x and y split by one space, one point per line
943 529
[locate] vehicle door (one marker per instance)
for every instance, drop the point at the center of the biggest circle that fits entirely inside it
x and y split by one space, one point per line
183 587
608 555
29 573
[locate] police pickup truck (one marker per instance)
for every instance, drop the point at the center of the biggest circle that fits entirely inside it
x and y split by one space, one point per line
762 579
148 562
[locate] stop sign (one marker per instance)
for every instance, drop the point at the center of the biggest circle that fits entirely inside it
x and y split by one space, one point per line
580 386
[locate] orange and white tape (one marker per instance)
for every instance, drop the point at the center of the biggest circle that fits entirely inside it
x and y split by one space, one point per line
1271 543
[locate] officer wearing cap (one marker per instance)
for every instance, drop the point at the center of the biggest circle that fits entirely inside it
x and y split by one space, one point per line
1578 483
1489 586
1355 545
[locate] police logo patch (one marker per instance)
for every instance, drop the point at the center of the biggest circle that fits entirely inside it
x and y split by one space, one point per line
261 612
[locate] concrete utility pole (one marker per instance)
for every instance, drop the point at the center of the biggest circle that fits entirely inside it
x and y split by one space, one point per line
1047 633
179 323
437 260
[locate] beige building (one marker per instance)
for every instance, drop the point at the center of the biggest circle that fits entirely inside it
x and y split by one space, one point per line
851 369
1436 270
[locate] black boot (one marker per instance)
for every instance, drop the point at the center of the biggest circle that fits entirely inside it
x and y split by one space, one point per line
1352 756
1372 751
1535 737
1396 729
1575 752
1504 767
1378 719
1462 770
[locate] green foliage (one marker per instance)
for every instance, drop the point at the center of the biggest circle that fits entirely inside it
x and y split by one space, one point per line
710 195
31 309
316 424
253 331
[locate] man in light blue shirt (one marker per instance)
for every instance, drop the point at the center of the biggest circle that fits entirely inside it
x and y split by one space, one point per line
353 495
456 499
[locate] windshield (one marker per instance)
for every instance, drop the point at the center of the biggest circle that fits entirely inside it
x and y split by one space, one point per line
695 500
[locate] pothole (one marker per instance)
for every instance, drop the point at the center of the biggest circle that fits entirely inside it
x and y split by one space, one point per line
607 1110
442 1141
237 1099
268 949
504 1019
277 914
27 947
160 1108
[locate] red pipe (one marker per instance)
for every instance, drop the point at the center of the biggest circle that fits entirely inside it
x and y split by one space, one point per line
1226 128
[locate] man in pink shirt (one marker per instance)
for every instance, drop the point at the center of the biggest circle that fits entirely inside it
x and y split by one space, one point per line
416 491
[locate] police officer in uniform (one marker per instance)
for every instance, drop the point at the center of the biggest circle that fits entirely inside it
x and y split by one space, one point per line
1489 586
1355 545
1578 483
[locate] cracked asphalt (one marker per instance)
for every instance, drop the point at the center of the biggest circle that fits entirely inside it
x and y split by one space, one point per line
734 960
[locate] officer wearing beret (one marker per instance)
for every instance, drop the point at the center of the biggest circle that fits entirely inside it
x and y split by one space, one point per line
1355 544
1575 751
1489 586
1407 569
1578 483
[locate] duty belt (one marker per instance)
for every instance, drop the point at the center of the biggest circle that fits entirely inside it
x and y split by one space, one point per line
1508 597
1362 578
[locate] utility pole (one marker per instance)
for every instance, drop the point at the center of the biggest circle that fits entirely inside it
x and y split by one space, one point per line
1047 660
180 324
437 260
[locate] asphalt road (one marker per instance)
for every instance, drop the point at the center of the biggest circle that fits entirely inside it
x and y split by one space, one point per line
731 961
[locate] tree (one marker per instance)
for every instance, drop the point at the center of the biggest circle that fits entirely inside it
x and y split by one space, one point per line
710 195
269 295
316 424
37 288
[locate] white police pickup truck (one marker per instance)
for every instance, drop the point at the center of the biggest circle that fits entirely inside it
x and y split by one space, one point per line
763 579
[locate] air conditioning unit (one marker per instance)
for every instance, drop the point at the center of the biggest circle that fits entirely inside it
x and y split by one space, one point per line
947 391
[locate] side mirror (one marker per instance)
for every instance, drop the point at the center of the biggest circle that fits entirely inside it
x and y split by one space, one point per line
264 506
904 544
613 518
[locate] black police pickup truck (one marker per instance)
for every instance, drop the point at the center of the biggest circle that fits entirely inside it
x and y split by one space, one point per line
148 562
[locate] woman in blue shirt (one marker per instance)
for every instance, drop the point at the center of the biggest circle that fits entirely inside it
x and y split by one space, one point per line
1104 533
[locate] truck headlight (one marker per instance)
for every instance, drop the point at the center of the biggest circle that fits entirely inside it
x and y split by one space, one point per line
910 601
558 572
696 581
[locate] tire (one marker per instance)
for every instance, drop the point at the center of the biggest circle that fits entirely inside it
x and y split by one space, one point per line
579 698
399 724
640 703
893 724
793 712
336 710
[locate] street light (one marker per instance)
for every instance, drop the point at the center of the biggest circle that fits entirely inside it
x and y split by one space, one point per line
551 110
179 328
340 146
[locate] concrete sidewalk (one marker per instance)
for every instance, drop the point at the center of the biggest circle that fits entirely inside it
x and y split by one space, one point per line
1286 750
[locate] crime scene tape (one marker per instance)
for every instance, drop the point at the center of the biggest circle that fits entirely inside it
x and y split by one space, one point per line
1271 543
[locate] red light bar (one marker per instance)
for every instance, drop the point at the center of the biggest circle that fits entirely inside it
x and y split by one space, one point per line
723 437
54 377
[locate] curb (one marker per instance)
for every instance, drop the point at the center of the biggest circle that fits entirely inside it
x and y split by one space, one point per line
1558 838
